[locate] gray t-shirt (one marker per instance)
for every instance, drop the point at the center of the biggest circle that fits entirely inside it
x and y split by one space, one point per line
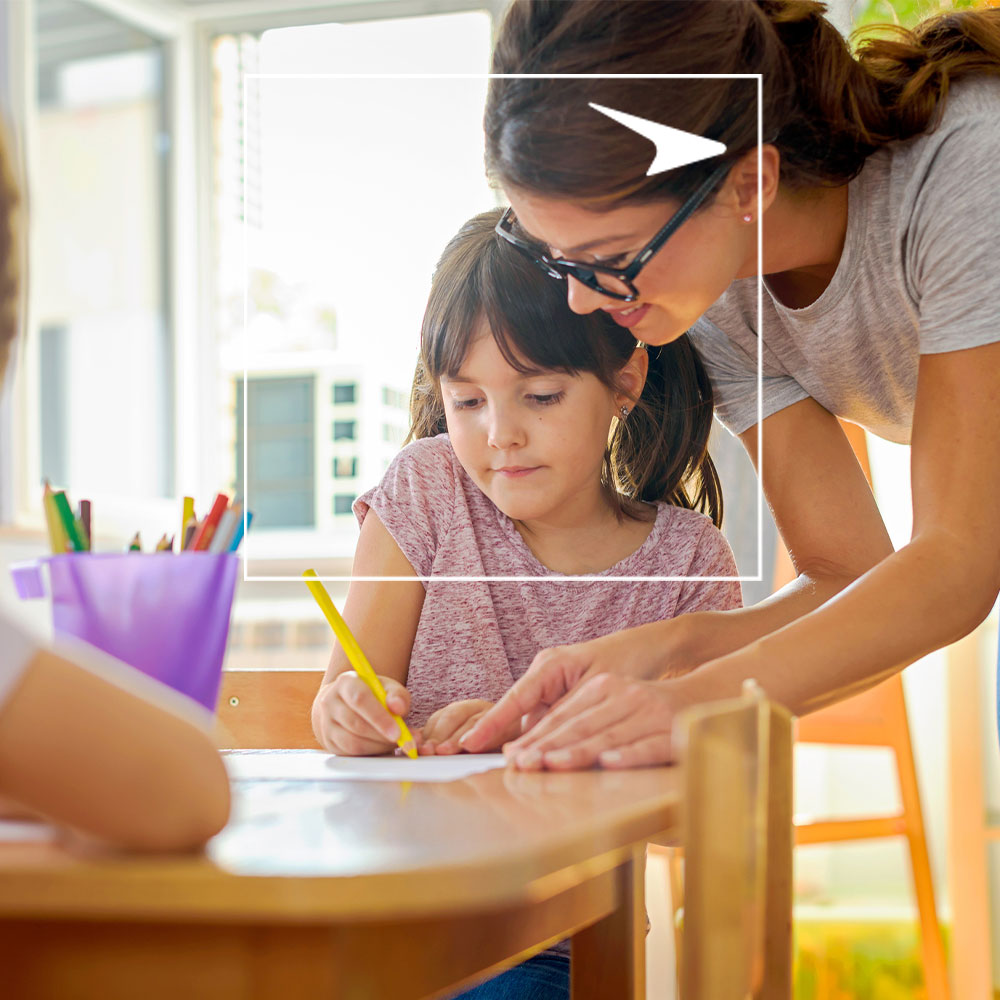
919 274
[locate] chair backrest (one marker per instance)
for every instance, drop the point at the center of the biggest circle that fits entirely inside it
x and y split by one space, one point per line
737 838
876 717
266 709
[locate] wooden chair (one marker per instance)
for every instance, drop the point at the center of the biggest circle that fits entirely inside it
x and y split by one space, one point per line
266 709
877 717
969 831
737 839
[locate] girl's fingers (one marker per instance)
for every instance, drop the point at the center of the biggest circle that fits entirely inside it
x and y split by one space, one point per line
552 673
397 698
450 722
453 743
359 699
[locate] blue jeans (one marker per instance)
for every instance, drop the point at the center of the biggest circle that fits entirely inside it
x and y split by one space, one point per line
544 977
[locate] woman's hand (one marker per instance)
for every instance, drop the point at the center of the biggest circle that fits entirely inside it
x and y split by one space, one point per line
448 725
608 720
348 719
641 652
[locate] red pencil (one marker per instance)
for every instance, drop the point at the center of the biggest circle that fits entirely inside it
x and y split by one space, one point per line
207 527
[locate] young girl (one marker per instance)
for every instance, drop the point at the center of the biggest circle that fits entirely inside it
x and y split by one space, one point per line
548 446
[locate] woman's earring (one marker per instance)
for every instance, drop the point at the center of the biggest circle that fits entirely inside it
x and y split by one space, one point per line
624 412
748 217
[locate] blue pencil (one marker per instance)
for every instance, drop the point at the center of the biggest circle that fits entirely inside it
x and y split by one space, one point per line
238 536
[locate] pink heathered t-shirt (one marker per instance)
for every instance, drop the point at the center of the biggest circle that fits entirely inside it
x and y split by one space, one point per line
474 639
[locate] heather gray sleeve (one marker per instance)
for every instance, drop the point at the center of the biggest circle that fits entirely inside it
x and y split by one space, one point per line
733 373
952 254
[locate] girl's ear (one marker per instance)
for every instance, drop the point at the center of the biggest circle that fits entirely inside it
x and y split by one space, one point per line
632 378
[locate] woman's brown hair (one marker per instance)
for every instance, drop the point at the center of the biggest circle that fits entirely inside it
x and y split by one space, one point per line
659 453
825 109
9 276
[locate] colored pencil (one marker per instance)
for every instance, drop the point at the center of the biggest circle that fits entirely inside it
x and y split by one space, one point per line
227 528
74 541
57 537
203 536
242 526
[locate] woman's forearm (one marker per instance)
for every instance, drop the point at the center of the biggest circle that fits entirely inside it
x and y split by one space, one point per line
928 594
708 635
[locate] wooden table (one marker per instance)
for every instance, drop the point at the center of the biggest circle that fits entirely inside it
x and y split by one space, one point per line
367 891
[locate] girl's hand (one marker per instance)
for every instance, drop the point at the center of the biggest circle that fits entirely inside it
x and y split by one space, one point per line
348 719
447 725
608 721
643 652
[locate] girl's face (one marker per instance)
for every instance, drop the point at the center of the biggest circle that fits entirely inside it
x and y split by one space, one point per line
534 444
677 285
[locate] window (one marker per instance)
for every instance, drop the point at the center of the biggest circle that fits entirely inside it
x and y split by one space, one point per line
394 398
280 451
342 503
345 392
394 435
345 467
344 430
100 239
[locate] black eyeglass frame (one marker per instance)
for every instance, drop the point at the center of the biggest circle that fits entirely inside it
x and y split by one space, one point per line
586 273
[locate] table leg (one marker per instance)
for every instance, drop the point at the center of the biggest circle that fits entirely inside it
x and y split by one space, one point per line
609 957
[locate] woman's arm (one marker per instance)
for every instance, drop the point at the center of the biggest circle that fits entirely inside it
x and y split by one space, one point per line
935 589
383 615
931 592
829 520
79 749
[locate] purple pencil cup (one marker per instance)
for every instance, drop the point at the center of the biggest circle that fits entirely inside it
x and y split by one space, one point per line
166 615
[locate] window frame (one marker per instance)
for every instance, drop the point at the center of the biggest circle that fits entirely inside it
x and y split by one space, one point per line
187 33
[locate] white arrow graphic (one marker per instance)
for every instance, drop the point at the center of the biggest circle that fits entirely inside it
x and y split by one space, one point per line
674 147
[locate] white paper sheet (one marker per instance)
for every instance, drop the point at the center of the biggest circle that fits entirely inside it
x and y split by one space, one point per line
314 765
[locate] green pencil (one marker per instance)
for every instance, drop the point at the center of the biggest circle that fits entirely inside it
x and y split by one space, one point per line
76 543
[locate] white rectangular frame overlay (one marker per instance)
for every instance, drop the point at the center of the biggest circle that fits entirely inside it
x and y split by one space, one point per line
760 354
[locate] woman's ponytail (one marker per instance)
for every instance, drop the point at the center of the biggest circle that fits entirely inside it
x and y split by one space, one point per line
846 106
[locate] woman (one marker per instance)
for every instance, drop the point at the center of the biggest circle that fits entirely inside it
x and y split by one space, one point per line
881 264
86 746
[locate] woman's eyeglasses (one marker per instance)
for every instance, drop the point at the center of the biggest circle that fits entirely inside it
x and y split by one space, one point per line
615 282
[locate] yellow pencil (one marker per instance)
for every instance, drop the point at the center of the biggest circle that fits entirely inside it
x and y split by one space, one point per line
187 515
354 653
57 537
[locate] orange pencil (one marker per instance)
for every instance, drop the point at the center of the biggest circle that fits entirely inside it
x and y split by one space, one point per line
207 528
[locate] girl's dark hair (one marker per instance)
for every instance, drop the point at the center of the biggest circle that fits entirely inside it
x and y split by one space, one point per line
660 453
823 108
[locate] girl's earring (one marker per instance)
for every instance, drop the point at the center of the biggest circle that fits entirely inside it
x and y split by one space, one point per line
748 217
624 412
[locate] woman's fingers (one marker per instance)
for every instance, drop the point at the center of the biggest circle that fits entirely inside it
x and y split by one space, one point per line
552 673
655 749
606 715
571 716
